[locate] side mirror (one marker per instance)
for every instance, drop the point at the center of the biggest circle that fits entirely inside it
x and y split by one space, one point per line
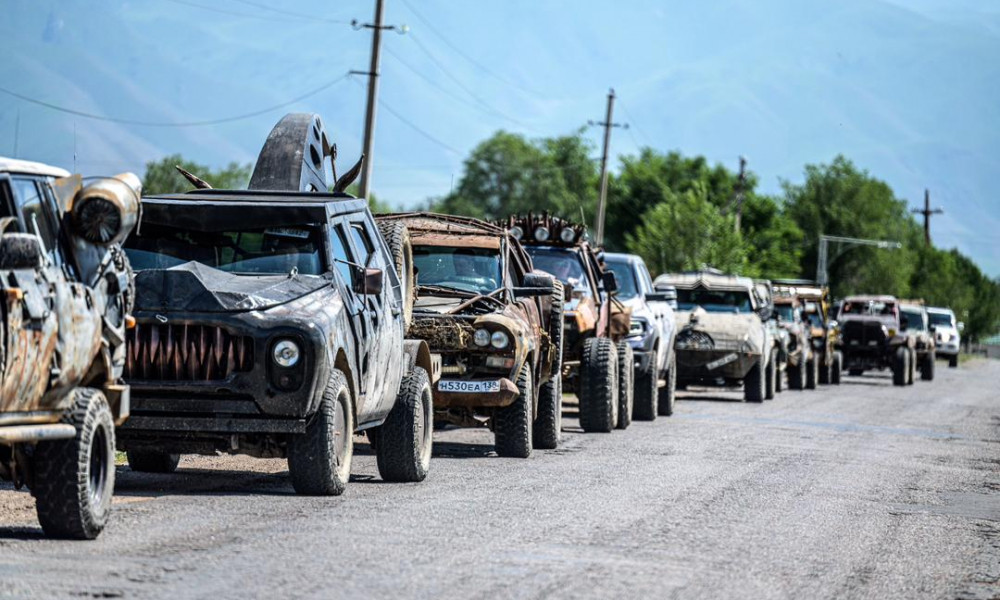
961 326
368 282
610 282
19 251
534 285
658 297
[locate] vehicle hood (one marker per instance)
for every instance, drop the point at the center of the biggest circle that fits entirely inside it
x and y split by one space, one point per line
194 287
721 326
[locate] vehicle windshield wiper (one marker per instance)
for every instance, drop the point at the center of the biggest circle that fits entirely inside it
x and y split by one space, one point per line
446 290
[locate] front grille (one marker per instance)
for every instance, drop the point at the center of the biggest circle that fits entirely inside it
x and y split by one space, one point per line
694 340
168 352
862 333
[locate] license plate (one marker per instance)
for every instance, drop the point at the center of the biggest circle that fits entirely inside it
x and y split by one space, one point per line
468 387
725 360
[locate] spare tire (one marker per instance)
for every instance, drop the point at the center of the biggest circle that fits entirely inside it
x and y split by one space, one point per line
397 237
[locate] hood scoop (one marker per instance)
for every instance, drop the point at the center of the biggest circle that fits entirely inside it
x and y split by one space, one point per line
194 287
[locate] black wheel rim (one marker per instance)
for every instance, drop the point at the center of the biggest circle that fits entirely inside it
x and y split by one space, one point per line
98 465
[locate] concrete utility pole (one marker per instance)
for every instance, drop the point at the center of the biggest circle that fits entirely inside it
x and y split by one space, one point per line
846 243
602 204
927 212
740 187
366 171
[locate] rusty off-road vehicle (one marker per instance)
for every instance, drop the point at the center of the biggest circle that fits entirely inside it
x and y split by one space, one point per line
65 304
722 338
597 359
822 327
873 337
270 322
799 352
919 327
497 325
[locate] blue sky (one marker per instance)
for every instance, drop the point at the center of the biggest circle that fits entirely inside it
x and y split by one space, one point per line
908 90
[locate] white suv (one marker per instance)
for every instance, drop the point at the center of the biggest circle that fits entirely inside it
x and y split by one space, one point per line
948 333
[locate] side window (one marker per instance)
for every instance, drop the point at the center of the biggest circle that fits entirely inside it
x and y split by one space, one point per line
362 242
6 201
341 254
29 200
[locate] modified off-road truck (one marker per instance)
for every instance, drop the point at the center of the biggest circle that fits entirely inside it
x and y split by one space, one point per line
947 333
919 327
722 337
597 359
799 352
270 322
497 325
873 337
65 309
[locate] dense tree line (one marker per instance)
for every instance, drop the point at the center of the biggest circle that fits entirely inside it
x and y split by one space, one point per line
679 213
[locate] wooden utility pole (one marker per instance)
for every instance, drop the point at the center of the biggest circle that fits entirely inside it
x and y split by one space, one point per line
927 212
369 147
740 187
602 203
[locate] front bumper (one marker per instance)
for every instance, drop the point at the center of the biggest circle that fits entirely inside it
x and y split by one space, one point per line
710 364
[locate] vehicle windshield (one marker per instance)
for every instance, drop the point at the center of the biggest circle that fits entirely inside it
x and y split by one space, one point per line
941 319
914 319
563 263
715 300
814 318
868 307
785 311
625 274
270 251
468 269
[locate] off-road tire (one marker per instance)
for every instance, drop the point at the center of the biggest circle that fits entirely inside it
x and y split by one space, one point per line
75 478
668 393
779 378
548 417
825 367
151 461
953 361
626 389
313 464
812 372
927 368
838 368
598 386
397 237
797 375
406 438
753 383
900 366
772 373
646 394
513 424
911 375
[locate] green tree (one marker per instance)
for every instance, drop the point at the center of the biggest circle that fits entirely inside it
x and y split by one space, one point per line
686 232
508 174
162 177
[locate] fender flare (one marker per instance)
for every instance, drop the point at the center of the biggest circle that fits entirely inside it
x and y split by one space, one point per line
418 354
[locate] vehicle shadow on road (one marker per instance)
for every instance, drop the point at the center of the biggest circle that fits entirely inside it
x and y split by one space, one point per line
201 482
21 533
460 450
703 397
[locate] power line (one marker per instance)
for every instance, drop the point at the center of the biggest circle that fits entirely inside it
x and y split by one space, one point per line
293 14
223 11
462 53
239 117
413 125
628 115
459 83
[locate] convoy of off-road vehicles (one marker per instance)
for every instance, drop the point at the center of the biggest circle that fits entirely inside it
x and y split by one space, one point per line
284 320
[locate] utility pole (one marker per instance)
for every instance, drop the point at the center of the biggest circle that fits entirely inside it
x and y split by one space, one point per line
740 187
927 212
377 27
844 244
602 203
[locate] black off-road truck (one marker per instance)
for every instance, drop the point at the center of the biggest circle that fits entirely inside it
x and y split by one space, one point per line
270 322
64 300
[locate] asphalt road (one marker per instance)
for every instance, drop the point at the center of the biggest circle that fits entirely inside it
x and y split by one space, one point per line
861 490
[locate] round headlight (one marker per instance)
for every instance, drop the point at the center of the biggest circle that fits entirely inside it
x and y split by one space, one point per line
516 232
481 338
567 235
499 340
541 233
286 353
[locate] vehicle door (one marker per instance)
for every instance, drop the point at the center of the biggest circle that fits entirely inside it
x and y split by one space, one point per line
381 356
515 265
31 346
